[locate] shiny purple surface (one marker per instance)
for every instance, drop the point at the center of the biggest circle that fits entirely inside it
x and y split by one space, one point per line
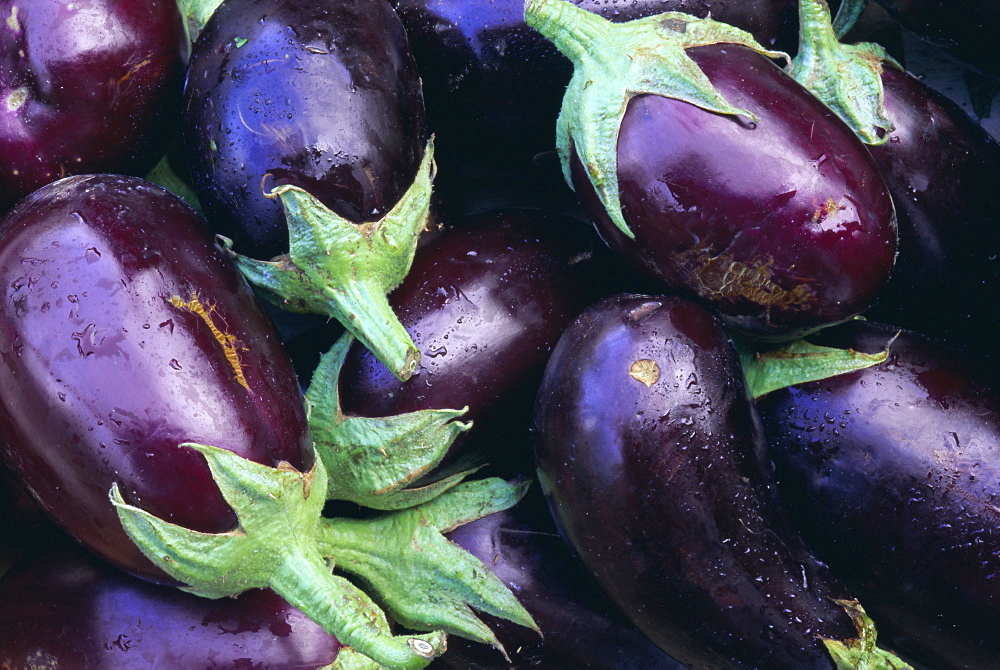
102 376
652 459
86 86
64 608
783 226
320 94
893 475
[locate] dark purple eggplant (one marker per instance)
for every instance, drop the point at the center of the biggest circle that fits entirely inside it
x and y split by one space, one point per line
64 608
774 214
652 459
580 628
126 332
891 473
493 85
485 303
943 171
87 86
965 29
321 95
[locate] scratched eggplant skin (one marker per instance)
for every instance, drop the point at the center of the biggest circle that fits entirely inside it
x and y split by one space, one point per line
124 332
892 473
320 94
665 491
784 226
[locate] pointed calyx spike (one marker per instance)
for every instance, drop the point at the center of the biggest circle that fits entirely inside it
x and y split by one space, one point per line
846 77
615 62
376 461
344 269
196 14
422 577
274 546
862 653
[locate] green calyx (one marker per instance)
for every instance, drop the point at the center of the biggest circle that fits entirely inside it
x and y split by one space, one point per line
846 77
615 62
374 461
196 14
861 653
344 269
274 546
422 577
163 175
772 368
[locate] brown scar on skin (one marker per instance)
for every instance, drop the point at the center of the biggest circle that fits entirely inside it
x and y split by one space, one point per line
227 341
723 277
645 370
826 210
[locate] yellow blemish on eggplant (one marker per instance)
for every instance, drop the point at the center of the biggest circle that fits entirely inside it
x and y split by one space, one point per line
227 341
12 21
724 277
645 370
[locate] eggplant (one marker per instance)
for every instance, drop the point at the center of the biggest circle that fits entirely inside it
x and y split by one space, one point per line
651 456
320 95
126 332
493 85
943 171
485 303
891 473
65 608
774 214
74 104
962 28
580 628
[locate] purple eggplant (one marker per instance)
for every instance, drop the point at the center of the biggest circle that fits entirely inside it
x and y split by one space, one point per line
773 213
892 474
126 332
321 95
943 171
963 28
65 608
485 302
493 85
653 462
580 628
87 86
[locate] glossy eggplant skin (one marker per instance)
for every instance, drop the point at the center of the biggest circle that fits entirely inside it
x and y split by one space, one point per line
652 459
943 171
125 331
323 95
892 475
88 86
485 303
784 227
66 608
493 86
580 628
966 29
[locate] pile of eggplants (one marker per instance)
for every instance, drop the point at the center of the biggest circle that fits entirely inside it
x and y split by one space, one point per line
734 469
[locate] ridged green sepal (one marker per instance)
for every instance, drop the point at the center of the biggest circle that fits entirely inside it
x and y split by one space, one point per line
771 368
846 77
374 461
861 653
274 546
344 269
421 577
615 62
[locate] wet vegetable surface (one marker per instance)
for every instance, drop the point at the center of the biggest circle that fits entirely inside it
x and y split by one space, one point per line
124 333
581 628
493 85
485 303
651 457
891 473
322 95
87 86
943 171
783 226
66 608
